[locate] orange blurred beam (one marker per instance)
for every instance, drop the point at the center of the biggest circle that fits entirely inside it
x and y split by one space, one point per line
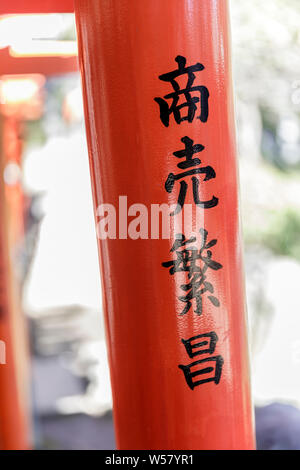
36 6
46 65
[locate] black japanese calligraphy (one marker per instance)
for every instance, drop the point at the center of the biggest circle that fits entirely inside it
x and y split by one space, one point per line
187 102
204 370
196 263
205 346
176 107
193 370
190 162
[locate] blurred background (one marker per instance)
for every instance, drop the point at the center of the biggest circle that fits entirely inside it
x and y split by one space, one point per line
57 317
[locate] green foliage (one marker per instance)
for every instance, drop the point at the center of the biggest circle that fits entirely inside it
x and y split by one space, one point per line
35 134
282 235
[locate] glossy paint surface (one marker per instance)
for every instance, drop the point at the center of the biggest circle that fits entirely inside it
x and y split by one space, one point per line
124 46
36 6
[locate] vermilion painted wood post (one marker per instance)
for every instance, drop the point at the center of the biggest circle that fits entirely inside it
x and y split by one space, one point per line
160 129
36 6
14 427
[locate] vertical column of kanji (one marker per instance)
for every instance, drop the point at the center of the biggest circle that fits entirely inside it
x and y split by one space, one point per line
160 129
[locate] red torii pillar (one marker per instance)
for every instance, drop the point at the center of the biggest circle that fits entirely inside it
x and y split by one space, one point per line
124 46
177 337
13 412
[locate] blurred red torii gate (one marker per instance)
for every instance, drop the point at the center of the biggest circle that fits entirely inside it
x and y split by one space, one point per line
14 406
